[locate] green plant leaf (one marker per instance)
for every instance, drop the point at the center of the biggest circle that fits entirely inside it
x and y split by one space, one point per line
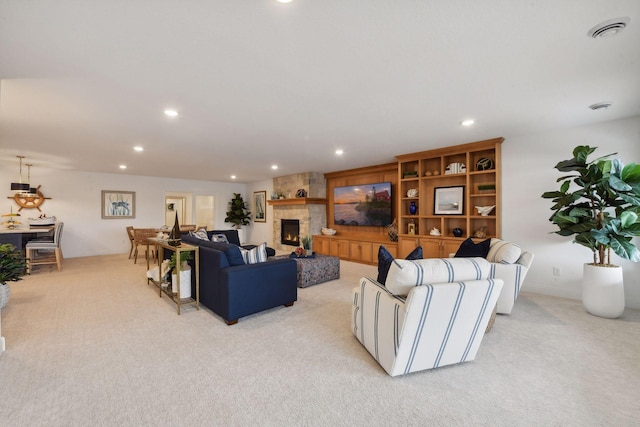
582 152
628 218
625 249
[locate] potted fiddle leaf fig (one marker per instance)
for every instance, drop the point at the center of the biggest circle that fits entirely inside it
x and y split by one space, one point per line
12 267
598 203
238 214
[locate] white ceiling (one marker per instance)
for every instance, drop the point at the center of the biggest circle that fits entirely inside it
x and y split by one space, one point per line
257 82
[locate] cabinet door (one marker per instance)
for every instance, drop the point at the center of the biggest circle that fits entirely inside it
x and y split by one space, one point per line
431 248
450 247
321 245
340 248
406 245
360 251
391 248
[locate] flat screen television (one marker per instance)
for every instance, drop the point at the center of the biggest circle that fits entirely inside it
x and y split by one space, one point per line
364 205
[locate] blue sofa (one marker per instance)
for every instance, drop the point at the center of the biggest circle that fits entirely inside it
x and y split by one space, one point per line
232 289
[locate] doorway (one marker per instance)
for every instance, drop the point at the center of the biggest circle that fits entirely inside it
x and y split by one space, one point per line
175 205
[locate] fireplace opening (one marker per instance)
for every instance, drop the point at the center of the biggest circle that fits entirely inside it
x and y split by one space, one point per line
290 232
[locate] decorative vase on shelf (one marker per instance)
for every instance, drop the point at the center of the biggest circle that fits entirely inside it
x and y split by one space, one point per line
413 208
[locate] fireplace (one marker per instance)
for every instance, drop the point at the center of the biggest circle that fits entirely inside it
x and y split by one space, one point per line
290 232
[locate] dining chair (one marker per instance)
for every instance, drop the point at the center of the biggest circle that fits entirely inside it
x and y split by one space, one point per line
39 252
141 236
131 240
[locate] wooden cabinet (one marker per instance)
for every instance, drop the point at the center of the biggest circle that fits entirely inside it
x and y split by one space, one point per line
446 185
431 247
321 245
355 248
360 251
340 248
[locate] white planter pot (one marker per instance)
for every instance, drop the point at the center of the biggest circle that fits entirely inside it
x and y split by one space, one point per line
185 283
603 291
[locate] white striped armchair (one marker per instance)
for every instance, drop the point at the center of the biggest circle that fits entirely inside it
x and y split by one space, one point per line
511 264
432 313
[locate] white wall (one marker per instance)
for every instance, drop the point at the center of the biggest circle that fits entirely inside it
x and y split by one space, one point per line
76 200
528 171
259 232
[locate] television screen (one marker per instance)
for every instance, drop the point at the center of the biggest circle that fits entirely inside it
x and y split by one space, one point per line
367 204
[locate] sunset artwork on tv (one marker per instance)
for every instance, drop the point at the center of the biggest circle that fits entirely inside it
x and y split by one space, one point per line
368 205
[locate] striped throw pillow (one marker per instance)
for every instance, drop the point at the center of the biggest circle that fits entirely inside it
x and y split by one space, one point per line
502 252
255 255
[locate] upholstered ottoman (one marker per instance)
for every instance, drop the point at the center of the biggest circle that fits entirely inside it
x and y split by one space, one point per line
316 269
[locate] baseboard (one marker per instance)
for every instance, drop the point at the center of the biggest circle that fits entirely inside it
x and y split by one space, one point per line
570 294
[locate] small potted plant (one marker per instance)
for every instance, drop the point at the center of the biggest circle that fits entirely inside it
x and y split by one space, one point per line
306 242
13 266
599 204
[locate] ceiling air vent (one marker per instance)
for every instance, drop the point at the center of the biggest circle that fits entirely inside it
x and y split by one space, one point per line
608 28
600 106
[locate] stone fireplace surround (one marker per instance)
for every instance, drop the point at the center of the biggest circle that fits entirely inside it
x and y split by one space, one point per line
312 216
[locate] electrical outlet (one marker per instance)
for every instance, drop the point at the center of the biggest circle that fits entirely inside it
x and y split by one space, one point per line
556 271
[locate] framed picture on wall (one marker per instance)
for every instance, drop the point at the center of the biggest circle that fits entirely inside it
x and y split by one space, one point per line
118 204
260 206
448 200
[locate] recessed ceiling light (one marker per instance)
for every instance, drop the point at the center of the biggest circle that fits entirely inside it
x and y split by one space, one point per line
284 1
600 106
233 177
608 28
138 148
339 152
274 167
467 122
171 113
123 166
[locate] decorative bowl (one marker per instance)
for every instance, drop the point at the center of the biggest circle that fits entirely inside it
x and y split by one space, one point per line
328 231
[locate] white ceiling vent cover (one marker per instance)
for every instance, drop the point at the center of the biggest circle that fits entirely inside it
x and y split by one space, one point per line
608 28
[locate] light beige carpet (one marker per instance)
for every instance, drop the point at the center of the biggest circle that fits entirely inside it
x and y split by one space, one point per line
94 345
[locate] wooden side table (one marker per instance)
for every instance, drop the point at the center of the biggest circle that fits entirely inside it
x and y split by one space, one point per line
163 245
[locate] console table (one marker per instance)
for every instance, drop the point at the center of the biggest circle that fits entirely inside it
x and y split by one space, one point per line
163 245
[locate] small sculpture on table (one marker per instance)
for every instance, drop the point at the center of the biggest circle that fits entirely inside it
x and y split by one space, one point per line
174 236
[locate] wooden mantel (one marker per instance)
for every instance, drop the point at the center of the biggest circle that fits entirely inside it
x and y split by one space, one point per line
297 201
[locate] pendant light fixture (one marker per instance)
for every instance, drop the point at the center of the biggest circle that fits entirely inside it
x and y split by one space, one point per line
33 191
20 186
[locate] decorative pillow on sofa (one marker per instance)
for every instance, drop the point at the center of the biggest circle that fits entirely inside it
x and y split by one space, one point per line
231 235
503 252
270 251
385 259
469 248
405 275
232 252
255 255
200 234
220 238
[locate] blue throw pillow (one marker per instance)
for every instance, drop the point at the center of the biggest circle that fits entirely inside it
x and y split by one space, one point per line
232 252
385 259
469 248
